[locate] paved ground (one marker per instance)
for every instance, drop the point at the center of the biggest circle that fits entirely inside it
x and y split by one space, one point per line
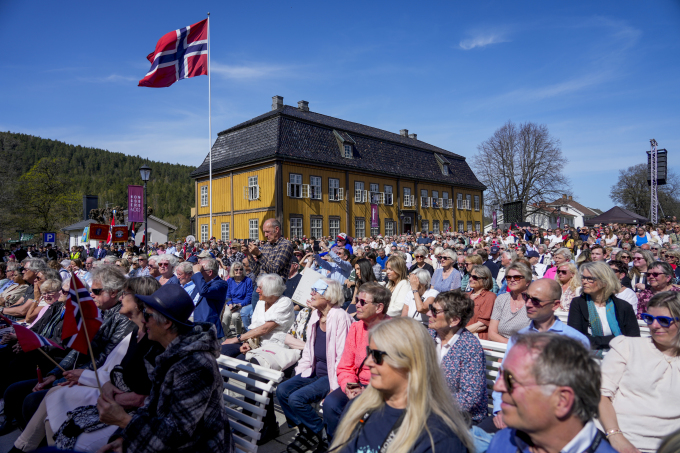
7 442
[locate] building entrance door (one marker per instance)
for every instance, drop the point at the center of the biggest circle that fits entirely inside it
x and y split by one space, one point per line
407 225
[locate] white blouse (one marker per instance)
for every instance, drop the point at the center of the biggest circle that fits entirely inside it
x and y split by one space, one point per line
282 313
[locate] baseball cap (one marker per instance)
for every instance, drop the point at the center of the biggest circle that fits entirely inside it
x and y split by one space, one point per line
494 249
532 254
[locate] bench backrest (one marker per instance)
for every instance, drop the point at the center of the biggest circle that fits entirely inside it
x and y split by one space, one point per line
493 353
237 375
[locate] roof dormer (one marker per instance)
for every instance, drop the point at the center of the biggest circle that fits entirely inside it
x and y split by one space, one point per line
443 163
346 144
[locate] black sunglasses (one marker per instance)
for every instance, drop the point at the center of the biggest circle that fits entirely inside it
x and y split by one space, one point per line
96 291
146 315
376 355
434 312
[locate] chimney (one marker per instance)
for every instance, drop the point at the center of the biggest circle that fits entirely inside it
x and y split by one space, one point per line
404 132
413 136
570 198
303 106
277 102
541 204
564 197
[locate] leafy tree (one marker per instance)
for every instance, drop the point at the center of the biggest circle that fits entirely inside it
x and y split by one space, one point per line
521 163
47 196
632 192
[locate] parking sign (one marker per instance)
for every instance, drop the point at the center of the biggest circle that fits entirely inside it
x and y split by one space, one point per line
49 238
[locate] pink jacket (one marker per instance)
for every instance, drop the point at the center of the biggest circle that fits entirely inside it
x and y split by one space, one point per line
354 354
338 324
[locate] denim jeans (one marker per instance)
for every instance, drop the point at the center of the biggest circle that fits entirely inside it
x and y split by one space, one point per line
296 396
333 407
247 316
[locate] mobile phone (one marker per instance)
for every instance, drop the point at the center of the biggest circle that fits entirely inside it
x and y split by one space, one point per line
246 242
353 385
316 247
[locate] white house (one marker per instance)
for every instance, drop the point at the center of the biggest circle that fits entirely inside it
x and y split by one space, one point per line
75 234
580 212
545 217
159 230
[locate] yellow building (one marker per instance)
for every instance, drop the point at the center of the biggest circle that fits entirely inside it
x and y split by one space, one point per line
320 176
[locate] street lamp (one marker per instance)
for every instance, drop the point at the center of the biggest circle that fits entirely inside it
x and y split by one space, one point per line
145 173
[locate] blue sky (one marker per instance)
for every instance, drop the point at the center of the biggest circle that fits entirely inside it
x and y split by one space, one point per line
603 76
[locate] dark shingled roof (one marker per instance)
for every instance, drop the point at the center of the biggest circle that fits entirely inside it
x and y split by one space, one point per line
291 134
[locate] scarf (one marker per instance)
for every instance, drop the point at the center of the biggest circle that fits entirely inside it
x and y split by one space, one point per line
594 319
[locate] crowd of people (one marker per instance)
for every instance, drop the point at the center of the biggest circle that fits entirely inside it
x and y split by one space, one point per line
385 354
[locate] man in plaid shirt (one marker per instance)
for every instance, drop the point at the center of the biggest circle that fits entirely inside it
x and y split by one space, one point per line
275 255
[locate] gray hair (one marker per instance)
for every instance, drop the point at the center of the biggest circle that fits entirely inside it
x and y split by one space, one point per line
16 266
424 277
562 361
522 269
153 258
50 274
420 250
65 263
333 293
171 259
484 274
210 264
185 268
512 255
451 254
35 264
271 285
51 285
112 278
667 269
110 259
274 223
543 248
565 252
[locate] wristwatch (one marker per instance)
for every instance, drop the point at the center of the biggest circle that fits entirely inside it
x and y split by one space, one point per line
414 290
238 337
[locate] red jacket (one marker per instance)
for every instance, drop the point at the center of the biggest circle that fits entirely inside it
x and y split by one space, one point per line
352 356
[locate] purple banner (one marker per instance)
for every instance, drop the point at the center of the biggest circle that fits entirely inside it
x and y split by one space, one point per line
493 216
558 222
375 222
135 203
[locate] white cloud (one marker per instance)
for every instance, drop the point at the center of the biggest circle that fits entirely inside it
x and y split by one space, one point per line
253 71
108 79
482 40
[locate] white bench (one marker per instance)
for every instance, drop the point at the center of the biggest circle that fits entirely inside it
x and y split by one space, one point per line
493 353
644 328
241 374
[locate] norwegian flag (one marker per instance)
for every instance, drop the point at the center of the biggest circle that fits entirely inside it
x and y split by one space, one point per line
109 240
131 234
179 55
73 332
27 339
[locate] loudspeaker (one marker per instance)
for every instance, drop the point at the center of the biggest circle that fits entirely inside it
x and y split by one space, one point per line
661 167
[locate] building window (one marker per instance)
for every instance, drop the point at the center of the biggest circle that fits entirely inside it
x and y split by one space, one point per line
468 202
334 227
348 151
374 193
478 227
204 233
359 228
317 228
315 187
375 231
447 226
225 231
334 191
435 199
476 202
469 227
408 201
423 199
461 225
296 227
445 169
425 225
359 192
295 186
204 195
253 229
389 227
253 189
446 203
435 226
389 197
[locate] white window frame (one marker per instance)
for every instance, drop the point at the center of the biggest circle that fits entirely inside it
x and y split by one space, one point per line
445 169
348 154
469 226
461 226
435 199
254 229
446 226
334 190
296 227
316 228
225 231
389 227
204 196
360 228
435 226
334 227
408 198
316 190
252 191
468 202
359 192
476 202
388 196
295 185
204 233
374 193
478 227
425 225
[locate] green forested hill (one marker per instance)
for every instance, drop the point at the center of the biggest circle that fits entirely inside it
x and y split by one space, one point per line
92 171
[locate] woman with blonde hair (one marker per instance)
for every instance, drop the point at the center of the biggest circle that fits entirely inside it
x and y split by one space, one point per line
397 283
568 277
409 405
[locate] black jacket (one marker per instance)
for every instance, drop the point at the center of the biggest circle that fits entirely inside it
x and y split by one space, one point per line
426 266
493 267
578 319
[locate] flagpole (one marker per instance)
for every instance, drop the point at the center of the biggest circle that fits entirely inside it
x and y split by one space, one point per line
87 336
209 136
52 360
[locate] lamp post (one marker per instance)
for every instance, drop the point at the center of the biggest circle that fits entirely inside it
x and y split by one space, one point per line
145 172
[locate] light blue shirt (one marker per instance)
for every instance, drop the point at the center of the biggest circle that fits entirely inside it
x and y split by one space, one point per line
7 285
558 327
189 287
338 269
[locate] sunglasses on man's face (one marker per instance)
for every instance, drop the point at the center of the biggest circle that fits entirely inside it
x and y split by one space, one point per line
376 355
664 321
655 274
96 291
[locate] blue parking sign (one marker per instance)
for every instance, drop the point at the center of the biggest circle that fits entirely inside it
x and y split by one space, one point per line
49 238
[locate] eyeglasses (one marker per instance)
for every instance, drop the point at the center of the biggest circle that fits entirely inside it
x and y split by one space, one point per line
514 278
664 321
474 277
362 302
655 274
238 270
625 257
64 291
96 291
510 381
376 355
163 264
588 279
126 293
435 312
563 272
146 315
445 258
419 256
535 301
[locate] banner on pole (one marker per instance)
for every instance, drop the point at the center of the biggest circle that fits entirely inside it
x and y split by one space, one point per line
135 203
375 221
86 233
120 233
495 222
98 231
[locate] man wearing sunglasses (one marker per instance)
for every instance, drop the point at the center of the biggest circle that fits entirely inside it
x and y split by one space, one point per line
550 388
541 300
353 375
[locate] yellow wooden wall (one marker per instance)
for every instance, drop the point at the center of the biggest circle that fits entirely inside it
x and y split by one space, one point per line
364 209
221 194
266 181
471 215
430 214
